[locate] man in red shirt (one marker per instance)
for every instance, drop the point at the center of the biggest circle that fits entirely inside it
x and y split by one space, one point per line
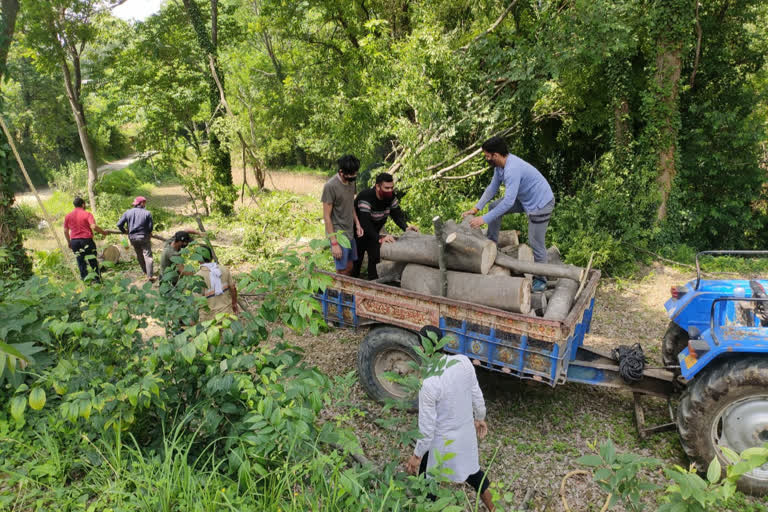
79 226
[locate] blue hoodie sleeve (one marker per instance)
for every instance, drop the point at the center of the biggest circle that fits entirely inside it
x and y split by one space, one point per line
511 186
491 190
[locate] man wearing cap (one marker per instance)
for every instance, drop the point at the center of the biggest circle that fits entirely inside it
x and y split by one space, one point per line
137 223
79 226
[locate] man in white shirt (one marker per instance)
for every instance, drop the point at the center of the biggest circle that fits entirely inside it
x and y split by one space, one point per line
451 407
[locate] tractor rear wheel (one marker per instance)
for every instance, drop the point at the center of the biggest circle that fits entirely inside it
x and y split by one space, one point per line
675 340
387 349
727 405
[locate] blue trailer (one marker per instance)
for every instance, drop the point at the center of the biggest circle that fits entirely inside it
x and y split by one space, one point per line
705 350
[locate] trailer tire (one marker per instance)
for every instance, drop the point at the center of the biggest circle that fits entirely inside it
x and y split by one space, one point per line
675 340
386 349
727 406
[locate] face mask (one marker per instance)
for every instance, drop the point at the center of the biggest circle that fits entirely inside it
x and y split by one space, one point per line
350 178
387 194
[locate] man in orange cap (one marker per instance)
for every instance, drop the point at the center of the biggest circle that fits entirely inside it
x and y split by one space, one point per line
137 223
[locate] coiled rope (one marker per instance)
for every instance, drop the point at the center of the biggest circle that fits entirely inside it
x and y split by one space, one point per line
631 360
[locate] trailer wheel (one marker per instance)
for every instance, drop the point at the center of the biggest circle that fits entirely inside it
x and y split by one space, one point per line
386 349
675 340
727 406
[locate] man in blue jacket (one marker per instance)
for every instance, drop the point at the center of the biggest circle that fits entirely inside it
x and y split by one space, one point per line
526 191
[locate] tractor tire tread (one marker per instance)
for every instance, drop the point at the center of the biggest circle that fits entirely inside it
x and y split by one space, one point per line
701 401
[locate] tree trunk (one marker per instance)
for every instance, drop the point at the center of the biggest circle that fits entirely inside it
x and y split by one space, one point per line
423 249
560 303
507 293
219 158
539 269
10 236
82 130
668 68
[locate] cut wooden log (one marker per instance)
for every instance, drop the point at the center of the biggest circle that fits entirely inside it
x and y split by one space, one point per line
522 252
423 249
459 244
499 271
389 271
539 269
538 301
553 256
507 293
560 303
451 227
437 222
508 237
111 253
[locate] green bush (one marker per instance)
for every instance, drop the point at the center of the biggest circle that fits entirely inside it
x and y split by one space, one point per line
123 182
70 179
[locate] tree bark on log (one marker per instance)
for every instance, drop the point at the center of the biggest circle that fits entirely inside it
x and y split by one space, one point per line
423 249
389 271
437 222
508 237
560 303
469 246
496 270
539 269
507 293
553 256
539 302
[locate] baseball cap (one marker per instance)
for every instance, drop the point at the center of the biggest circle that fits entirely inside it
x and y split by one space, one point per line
139 200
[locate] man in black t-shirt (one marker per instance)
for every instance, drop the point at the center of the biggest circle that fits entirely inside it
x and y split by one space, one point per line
373 206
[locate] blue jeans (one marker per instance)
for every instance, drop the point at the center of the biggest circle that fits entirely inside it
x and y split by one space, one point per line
538 221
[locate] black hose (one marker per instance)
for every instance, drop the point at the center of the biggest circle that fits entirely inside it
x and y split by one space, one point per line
631 360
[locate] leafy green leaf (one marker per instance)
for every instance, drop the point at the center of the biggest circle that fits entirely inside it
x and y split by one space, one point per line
18 404
590 460
37 399
714 471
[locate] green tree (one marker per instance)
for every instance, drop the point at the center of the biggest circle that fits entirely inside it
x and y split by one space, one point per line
58 32
10 237
218 156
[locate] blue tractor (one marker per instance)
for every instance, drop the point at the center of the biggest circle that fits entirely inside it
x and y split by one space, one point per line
718 341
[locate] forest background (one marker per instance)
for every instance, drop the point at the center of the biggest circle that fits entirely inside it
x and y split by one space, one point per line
648 118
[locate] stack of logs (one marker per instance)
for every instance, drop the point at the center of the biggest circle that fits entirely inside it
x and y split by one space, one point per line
459 262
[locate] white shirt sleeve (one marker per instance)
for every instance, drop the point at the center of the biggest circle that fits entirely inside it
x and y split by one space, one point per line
427 418
478 403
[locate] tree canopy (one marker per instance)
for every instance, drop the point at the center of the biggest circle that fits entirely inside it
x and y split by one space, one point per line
648 118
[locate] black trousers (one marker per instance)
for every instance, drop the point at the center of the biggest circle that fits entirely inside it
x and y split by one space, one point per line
478 481
372 246
85 250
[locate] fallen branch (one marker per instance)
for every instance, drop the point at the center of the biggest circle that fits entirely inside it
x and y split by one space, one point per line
116 232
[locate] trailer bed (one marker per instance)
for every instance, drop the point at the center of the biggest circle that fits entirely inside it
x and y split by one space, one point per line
526 346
